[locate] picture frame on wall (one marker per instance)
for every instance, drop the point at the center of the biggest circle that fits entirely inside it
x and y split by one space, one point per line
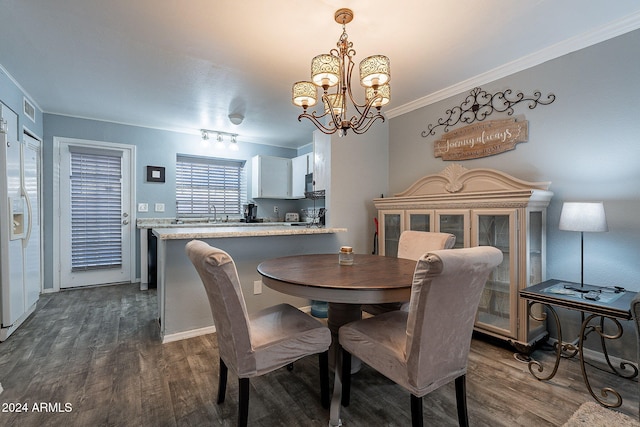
155 174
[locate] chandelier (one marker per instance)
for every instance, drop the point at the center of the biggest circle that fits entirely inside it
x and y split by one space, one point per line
334 70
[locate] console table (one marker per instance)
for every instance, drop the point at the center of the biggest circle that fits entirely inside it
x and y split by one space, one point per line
597 303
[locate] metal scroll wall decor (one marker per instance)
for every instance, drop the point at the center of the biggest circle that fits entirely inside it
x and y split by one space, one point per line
479 104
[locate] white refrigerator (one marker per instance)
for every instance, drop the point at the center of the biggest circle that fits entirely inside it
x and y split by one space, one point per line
20 231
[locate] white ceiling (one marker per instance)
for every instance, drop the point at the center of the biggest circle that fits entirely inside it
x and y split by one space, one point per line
184 65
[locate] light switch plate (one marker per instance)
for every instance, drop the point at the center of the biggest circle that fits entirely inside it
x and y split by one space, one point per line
143 207
159 207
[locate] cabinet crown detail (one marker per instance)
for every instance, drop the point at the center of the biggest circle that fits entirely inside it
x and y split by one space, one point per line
456 178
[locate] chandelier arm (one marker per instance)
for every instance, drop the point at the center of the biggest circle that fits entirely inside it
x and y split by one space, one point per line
365 113
335 119
362 129
349 72
317 123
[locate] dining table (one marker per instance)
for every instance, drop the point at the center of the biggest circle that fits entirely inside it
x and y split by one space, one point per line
371 279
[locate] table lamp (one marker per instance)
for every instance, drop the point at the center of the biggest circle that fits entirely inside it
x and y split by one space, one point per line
583 216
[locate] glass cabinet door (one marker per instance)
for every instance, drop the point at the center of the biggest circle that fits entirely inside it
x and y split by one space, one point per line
392 224
455 222
420 220
498 305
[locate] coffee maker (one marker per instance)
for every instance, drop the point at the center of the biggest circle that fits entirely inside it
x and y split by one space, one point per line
250 212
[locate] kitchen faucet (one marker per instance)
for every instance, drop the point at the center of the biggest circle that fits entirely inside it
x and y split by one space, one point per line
215 213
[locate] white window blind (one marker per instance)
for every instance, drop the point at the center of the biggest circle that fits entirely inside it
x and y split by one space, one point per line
206 186
96 209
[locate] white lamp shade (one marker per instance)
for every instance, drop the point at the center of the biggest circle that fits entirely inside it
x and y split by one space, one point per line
337 103
325 70
374 71
583 216
383 93
304 94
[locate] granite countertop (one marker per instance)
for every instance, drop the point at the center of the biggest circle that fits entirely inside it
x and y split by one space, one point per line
231 230
203 222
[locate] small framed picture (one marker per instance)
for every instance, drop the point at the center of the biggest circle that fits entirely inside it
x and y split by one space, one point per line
155 174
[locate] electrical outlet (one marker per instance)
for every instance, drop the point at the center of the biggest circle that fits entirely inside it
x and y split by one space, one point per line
143 207
159 207
275 209
257 287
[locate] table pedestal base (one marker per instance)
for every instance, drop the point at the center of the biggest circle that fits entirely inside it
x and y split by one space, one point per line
340 314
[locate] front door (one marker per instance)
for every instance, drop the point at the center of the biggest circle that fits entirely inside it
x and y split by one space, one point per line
95 207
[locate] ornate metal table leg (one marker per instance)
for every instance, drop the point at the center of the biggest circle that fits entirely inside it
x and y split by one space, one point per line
605 392
538 365
624 366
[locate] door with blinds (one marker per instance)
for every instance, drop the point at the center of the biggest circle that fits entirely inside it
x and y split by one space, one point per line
95 223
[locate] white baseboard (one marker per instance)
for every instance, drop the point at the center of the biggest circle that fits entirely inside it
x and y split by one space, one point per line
188 334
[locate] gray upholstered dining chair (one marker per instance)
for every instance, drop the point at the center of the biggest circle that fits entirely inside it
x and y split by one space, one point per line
255 344
411 245
428 346
635 312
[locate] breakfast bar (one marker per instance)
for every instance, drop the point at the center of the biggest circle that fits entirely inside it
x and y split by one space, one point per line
183 308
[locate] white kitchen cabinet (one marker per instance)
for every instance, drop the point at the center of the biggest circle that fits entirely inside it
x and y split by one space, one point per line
270 177
482 207
300 167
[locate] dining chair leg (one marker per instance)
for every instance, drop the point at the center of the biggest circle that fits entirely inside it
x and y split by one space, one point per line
222 381
323 360
416 411
346 378
461 401
243 404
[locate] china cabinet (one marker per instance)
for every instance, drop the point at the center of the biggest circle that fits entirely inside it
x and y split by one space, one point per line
481 207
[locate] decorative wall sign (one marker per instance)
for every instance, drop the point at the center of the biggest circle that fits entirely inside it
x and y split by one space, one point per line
482 139
479 104
155 174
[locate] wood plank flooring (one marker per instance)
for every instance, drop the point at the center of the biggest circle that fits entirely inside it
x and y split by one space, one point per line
98 350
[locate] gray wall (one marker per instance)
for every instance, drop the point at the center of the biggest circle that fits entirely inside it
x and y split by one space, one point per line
586 143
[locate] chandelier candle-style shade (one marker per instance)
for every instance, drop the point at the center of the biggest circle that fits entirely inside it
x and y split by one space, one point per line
583 216
334 70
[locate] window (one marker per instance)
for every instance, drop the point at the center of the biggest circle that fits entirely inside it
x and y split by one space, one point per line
96 210
206 186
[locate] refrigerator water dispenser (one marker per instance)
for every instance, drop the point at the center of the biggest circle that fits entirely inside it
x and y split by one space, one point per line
16 209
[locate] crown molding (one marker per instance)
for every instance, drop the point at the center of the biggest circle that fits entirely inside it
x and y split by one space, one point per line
609 31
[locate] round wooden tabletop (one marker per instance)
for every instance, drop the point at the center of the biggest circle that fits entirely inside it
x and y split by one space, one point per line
371 279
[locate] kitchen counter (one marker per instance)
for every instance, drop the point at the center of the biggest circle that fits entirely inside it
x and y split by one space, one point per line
246 230
183 306
201 228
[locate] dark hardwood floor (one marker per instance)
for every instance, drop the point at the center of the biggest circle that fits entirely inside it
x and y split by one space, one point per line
98 351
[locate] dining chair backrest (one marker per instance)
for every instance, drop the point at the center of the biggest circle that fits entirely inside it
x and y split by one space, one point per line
445 295
413 244
218 272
